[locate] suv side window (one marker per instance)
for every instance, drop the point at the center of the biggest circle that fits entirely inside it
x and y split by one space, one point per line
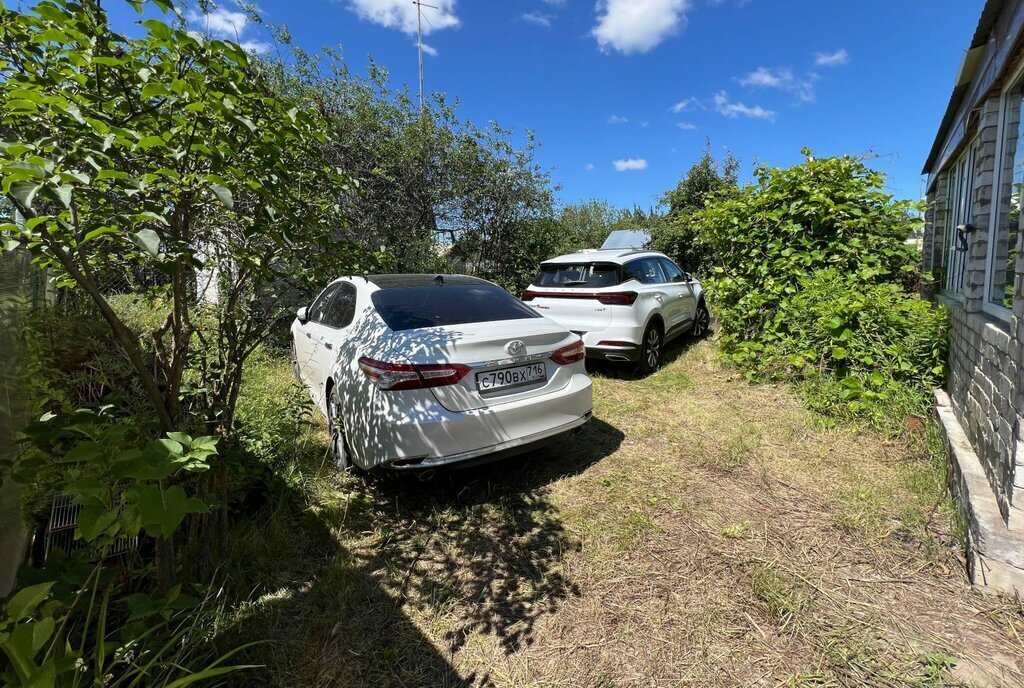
318 311
342 307
644 271
672 271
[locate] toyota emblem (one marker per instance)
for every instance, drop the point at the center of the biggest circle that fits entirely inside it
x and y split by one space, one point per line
517 347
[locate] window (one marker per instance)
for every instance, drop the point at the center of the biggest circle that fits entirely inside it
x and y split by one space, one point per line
342 307
672 271
411 308
959 212
644 271
588 275
1002 253
318 311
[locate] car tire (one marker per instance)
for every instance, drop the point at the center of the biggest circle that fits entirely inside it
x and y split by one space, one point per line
340 454
295 364
701 320
651 349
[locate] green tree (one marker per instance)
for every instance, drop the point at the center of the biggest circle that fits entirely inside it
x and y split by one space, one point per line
171 154
436 192
675 235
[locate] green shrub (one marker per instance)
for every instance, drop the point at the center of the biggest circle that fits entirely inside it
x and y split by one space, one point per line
814 281
877 340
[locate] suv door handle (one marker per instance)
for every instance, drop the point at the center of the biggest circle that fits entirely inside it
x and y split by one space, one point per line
328 345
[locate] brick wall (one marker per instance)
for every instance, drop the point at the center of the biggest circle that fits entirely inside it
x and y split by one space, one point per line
987 353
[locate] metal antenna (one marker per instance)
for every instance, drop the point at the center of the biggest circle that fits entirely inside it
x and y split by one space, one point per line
419 40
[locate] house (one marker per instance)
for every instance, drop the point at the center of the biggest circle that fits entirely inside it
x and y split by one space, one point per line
973 248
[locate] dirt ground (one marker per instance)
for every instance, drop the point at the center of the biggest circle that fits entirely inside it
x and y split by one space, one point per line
699 532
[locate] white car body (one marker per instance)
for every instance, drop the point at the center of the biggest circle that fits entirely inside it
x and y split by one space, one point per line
613 298
360 336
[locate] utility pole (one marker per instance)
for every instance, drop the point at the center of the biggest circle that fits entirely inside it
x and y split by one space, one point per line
419 41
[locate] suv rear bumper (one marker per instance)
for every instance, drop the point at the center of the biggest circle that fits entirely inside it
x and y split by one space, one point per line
617 344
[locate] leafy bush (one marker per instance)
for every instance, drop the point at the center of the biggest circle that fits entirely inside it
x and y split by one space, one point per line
876 339
813 280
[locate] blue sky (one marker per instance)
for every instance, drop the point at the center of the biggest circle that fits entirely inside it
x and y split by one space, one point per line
623 93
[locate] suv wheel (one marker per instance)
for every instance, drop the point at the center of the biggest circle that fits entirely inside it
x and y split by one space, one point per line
650 350
701 320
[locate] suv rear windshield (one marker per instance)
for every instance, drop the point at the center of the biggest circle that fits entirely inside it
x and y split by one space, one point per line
582 275
409 308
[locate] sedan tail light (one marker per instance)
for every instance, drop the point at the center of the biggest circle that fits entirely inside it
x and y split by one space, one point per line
528 295
573 353
398 376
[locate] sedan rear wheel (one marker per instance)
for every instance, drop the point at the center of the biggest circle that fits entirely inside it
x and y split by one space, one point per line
650 350
339 447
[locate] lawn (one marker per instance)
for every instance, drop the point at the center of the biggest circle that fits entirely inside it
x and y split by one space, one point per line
700 531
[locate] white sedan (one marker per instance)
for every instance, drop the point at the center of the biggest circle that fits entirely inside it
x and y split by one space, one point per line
418 371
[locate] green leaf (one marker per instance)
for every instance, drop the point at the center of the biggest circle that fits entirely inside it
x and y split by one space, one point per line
839 353
148 240
24 602
25 192
224 196
181 438
86 451
64 194
162 511
94 520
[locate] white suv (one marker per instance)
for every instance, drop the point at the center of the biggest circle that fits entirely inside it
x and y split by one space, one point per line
624 303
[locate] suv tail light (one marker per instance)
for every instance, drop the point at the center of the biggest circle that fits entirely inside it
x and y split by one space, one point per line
618 298
613 298
573 353
397 376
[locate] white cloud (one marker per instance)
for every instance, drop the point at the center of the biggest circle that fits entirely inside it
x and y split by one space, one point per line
782 79
636 26
765 77
430 50
589 167
615 119
401 14
630 164
833 59
687 126
229 24
555 3
728 108
538 18
682 105
257 47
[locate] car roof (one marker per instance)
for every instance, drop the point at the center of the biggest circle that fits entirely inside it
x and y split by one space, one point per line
618 256
414 280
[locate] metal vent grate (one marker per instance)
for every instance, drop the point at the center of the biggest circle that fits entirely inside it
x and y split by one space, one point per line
60 532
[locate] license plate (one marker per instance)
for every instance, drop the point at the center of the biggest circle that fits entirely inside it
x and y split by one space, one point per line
505 378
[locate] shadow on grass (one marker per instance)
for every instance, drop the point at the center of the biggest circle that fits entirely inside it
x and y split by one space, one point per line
628 371
341 588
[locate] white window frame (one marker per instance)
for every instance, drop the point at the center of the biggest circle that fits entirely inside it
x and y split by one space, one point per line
994 309
960 208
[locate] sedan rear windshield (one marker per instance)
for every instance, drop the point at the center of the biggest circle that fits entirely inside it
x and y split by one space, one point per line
582 275
410 308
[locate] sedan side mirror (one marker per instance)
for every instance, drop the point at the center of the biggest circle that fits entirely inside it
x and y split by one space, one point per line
302 315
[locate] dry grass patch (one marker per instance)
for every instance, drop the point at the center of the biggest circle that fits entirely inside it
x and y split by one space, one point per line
700 532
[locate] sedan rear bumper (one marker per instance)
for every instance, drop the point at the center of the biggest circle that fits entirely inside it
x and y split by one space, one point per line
434 436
